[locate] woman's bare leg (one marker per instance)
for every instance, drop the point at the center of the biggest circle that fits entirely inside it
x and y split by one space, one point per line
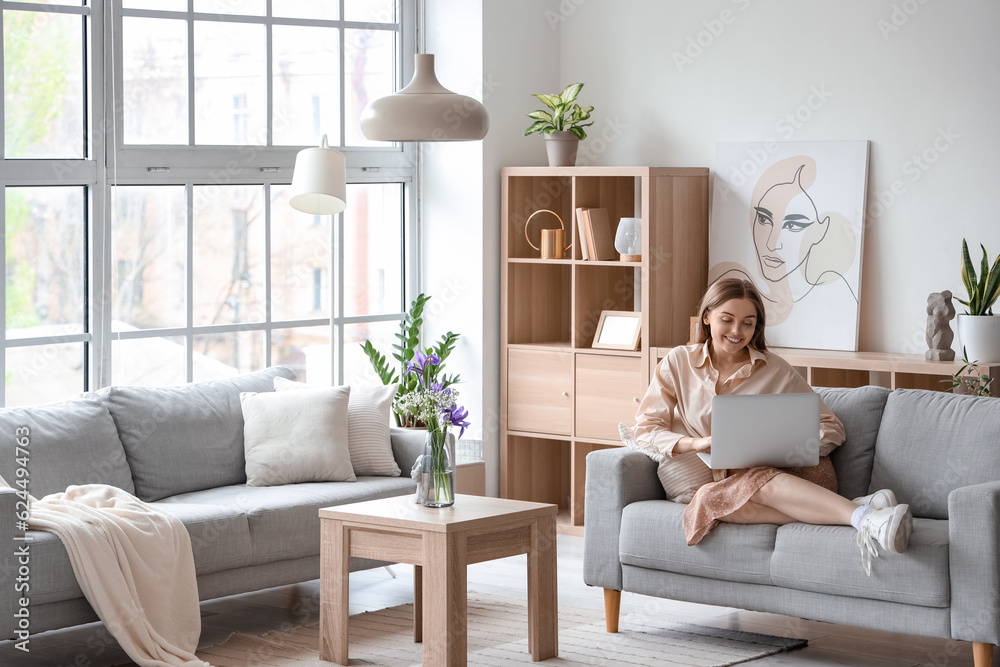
756 513
804 501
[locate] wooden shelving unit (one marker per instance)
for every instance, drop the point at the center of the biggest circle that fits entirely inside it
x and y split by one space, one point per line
560 397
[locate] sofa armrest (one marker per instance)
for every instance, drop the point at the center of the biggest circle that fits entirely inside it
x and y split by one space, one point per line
407 445
8 561
615 478
974 561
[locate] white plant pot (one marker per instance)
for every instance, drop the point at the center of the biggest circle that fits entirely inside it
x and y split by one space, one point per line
980 335
561 148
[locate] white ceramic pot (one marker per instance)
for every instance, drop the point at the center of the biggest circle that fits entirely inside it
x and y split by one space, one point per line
561 148
980 334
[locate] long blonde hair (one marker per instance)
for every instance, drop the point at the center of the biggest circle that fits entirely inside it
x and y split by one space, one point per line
724 290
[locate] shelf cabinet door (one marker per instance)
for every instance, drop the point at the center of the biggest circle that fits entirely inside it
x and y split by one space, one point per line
540 391
608 391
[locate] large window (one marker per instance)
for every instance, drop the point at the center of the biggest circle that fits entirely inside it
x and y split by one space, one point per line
147 151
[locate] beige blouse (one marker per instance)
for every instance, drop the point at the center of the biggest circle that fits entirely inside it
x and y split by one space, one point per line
678 402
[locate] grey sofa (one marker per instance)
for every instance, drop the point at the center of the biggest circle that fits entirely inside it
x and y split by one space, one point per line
181 448
939 452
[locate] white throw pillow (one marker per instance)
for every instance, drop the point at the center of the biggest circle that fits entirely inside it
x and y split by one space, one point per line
368 414
293 437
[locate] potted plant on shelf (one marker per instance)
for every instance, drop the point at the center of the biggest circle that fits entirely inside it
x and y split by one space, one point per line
562 125
969 379
979 329
406 353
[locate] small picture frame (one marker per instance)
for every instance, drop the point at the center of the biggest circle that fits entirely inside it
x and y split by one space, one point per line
618 330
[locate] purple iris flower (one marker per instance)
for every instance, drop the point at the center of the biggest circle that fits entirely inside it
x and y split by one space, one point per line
457 416
420 362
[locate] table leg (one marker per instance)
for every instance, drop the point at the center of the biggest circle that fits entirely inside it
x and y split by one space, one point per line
445 598
543 592
418 604
334 591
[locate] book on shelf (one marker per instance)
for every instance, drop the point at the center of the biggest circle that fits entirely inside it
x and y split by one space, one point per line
600 240
581 238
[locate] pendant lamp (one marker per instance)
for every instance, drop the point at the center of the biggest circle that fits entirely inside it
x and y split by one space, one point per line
319 181
425 111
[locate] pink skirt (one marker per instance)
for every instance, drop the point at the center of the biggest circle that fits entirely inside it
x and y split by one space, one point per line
719 499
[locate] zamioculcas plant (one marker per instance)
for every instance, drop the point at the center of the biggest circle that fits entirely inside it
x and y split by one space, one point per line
983 292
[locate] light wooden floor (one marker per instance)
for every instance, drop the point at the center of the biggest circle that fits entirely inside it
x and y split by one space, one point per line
91 646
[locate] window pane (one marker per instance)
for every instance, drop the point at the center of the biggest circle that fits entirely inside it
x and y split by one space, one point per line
43 85
369 74
149 362
300 261
357 369
164 5
230 83
43 373
304 9
376 11
225 355
230 7
306 85
150 256
306 350
45 261
373 252
154 64
228 254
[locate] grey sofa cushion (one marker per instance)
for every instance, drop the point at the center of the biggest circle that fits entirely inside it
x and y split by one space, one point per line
931 443
188 437
653 536
220 535
71 442
860 410
284 520
825 559
52 577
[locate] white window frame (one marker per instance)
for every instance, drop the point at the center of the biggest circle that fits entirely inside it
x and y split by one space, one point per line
110 162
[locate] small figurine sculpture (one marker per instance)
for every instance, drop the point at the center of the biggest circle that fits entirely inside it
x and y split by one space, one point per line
940 311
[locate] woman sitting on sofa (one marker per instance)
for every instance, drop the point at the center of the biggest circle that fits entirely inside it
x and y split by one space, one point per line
675 417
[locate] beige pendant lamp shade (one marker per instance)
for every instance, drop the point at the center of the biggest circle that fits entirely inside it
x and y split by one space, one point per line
319 181
425 111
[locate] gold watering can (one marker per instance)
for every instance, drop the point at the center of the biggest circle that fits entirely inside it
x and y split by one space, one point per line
551 239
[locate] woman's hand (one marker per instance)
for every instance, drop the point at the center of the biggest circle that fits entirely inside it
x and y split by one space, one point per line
689 444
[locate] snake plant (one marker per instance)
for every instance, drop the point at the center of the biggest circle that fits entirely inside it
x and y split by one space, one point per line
984 290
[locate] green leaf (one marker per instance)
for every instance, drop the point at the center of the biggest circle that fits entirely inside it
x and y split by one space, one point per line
569 93
540 115
551 101
379 363
969 278
992 290
578 132
537 126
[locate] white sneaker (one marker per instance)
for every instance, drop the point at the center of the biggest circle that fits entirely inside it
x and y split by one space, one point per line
879 499
889 527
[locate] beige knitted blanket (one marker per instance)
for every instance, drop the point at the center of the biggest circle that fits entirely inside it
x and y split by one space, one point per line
135 566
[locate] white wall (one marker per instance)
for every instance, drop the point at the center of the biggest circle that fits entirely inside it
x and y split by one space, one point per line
915 77
900 73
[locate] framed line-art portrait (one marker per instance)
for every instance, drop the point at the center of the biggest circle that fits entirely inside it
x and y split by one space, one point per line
618 330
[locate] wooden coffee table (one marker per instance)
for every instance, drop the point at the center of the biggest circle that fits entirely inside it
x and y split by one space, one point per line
439 543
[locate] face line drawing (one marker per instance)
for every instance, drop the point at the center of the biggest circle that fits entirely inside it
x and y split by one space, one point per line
771 263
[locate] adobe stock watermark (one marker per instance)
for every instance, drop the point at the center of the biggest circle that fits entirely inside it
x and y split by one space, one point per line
914 169
787 126
566 9
703 40
898 17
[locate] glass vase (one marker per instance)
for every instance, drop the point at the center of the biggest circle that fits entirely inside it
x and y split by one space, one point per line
436 477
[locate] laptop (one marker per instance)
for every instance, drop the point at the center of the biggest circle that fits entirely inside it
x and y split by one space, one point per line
780 430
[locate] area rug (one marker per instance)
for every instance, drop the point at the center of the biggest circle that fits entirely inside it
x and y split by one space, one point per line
498 631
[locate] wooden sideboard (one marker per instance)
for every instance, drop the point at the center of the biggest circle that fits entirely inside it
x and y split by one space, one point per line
832 368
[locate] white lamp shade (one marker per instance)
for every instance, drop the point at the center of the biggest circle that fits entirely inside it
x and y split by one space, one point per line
319 182
628 238
425 111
